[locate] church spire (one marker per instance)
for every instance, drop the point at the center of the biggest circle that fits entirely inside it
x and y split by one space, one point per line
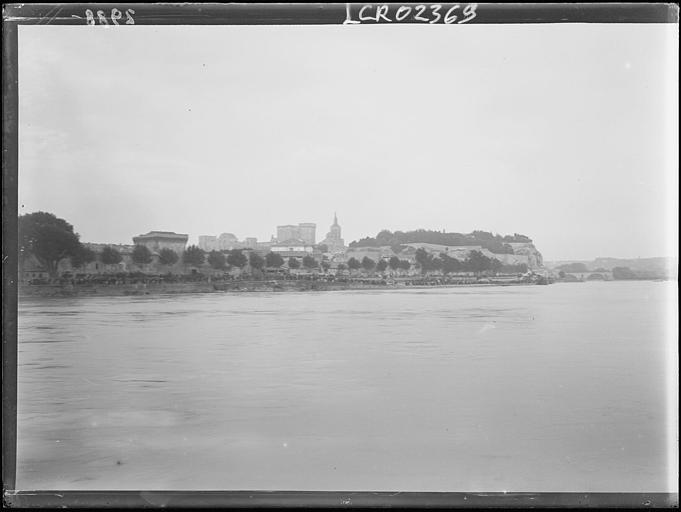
335 219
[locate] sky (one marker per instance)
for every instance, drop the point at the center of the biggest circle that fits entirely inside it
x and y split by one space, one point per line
566 133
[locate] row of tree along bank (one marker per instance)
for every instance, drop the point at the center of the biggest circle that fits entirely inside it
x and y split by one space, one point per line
194 257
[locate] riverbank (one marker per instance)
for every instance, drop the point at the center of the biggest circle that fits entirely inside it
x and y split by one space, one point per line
98 290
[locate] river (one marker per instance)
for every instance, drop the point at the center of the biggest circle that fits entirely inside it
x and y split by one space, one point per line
527 388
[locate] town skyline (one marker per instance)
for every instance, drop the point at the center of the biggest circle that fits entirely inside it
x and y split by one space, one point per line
240 129
194 238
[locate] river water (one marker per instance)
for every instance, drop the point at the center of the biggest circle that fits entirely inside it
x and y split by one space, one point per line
526 388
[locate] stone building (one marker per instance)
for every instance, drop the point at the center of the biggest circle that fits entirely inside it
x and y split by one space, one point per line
333 239
287 232
305 231
155 241
227 242
208 243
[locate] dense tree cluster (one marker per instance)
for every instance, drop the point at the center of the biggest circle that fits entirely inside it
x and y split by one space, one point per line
368 263
274 260
395 263
573 267
494 243
309 262
194 256
110 256
256 261
623 273
476 262
217 260
354 264
167 257
141 255
236 258
82 257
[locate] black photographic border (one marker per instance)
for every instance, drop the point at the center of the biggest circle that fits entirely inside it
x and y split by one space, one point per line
253 14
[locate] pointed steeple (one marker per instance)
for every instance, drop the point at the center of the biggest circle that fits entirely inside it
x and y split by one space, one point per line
335 219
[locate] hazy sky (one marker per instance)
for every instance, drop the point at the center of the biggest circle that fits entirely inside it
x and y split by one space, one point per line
567 133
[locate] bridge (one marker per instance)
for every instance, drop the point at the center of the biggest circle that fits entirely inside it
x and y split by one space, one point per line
592 275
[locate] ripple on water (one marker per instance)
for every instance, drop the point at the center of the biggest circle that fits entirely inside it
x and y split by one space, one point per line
361 377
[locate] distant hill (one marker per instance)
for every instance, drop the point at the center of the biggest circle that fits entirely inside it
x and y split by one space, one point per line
494 243
660 267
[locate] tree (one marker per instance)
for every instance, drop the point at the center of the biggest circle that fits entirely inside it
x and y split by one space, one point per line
256 261
424 259
368 263
236 258
623 273
477 262
110 256
342 266
167 257
217 260
405 265
82 257
354 264
48 238
309 262
381 265
293 263
427 261
394 263
274 259
141 255
193 256
573 267
326 265
449 264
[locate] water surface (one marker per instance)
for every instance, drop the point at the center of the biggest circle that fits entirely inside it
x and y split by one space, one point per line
528 388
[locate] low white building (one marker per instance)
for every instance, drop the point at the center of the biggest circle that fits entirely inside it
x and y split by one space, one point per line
295 248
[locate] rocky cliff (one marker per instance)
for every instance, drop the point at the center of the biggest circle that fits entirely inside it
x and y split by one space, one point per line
534 257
